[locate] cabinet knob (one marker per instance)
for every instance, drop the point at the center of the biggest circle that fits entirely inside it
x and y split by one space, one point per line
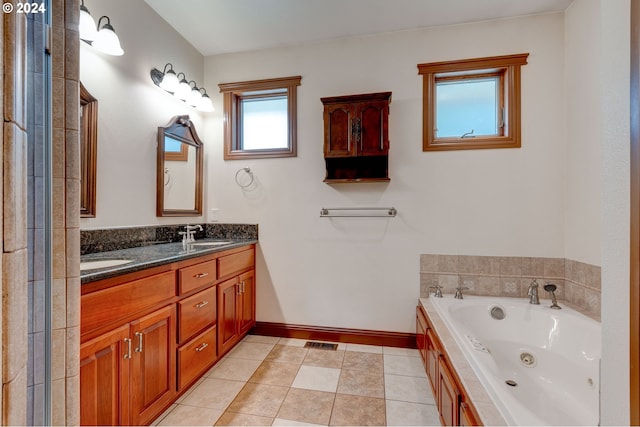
202 347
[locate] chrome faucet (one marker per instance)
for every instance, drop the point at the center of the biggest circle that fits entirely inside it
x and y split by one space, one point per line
188 234
438 291
459 290
551 288
533 292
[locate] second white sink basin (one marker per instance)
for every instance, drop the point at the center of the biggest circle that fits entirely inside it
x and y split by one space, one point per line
220 243
103 263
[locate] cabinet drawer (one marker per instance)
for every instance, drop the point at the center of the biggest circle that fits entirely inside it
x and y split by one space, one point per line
196 356
111 304
196 312
190 278
233 264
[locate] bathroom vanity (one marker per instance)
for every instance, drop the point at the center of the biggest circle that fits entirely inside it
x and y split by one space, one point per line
150 329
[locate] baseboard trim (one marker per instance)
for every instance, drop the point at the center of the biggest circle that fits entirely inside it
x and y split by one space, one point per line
345 335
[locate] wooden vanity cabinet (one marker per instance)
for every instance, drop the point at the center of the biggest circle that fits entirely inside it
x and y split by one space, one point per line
452 401
356 137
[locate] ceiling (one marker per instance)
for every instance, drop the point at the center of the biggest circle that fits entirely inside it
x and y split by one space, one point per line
225 26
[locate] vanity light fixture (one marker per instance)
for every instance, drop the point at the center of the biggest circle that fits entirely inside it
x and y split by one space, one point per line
103 39
181 88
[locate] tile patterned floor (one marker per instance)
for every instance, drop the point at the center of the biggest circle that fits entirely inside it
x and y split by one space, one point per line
276 381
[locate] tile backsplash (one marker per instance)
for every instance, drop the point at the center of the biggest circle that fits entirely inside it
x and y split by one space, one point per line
578 283
111 239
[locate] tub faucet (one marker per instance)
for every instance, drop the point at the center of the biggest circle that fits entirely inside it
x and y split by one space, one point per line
551 288
438 291
533 292
459 290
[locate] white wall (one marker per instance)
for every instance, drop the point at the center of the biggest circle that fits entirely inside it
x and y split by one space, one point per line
131 107
360 273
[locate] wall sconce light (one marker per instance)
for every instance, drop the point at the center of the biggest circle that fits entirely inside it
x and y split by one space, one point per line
181 88
104 39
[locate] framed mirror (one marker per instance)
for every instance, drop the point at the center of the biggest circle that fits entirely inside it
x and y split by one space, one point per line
88 152
179 169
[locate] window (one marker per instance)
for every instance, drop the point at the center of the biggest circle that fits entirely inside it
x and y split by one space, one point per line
472 103
260 118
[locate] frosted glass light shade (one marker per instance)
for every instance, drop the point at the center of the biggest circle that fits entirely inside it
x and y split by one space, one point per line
169 81
194 97
183 90
107 41
205 104
87 25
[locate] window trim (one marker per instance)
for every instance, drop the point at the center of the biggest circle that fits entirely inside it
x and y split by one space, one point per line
508 65
233 93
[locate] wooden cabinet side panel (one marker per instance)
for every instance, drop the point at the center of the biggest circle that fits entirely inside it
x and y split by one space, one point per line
421 336
104 379
154 364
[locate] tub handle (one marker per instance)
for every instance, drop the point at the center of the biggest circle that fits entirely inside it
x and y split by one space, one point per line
438 291
459 290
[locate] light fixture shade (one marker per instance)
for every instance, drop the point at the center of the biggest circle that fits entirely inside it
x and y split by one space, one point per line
87 25
183 90
194 97
169 81
205 104
106 40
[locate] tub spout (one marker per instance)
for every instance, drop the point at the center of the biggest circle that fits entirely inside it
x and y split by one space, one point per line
533 292
551 288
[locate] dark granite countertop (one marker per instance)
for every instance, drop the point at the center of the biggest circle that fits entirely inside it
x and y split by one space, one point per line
152 256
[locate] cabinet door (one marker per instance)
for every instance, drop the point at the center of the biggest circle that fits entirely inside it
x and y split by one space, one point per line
448 396
227 315
421 336
432 355
467 416
153 375
104 379
372 122
339 130
246 302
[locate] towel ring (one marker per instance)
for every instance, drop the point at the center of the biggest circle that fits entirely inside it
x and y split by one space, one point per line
248 171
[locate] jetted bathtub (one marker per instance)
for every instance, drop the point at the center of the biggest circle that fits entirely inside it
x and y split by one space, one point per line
540 366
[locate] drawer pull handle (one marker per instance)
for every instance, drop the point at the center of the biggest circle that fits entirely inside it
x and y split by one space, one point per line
202 347
201 275
138 349
201 304
128 353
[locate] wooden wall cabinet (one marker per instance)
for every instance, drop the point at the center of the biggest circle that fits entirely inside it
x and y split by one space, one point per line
149 335
452 401
356 137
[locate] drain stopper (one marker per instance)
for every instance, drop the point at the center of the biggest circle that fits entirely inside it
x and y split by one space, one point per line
511 383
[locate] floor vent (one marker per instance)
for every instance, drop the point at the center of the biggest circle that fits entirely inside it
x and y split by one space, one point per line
321 345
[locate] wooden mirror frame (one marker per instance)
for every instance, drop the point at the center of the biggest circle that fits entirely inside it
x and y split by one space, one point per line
182 129
88 153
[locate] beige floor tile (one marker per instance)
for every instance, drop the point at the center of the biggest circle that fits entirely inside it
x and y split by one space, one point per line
317 378
398 351
232 368
186 393
404 365
363 348
283 422
359 361
307 406
358 411
259 399
360 383
411 414
324 358
164 414
213 393
275 373
287 354
233 419
294 342
251 350
183 415
408 389
261 339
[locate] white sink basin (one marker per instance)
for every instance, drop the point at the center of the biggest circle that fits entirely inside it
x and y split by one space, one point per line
220 243
103 263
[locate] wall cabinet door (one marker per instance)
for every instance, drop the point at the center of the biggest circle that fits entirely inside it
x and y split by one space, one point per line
246 302
104 379
153 372
373 139
228 333
339 130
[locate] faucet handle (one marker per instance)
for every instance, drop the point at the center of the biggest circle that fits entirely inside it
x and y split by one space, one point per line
438 291
459 290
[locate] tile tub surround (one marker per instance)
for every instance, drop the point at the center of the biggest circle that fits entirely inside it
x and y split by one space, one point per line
578 283
276 381
111 239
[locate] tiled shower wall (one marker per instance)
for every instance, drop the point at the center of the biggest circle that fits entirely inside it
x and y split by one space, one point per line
578 283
